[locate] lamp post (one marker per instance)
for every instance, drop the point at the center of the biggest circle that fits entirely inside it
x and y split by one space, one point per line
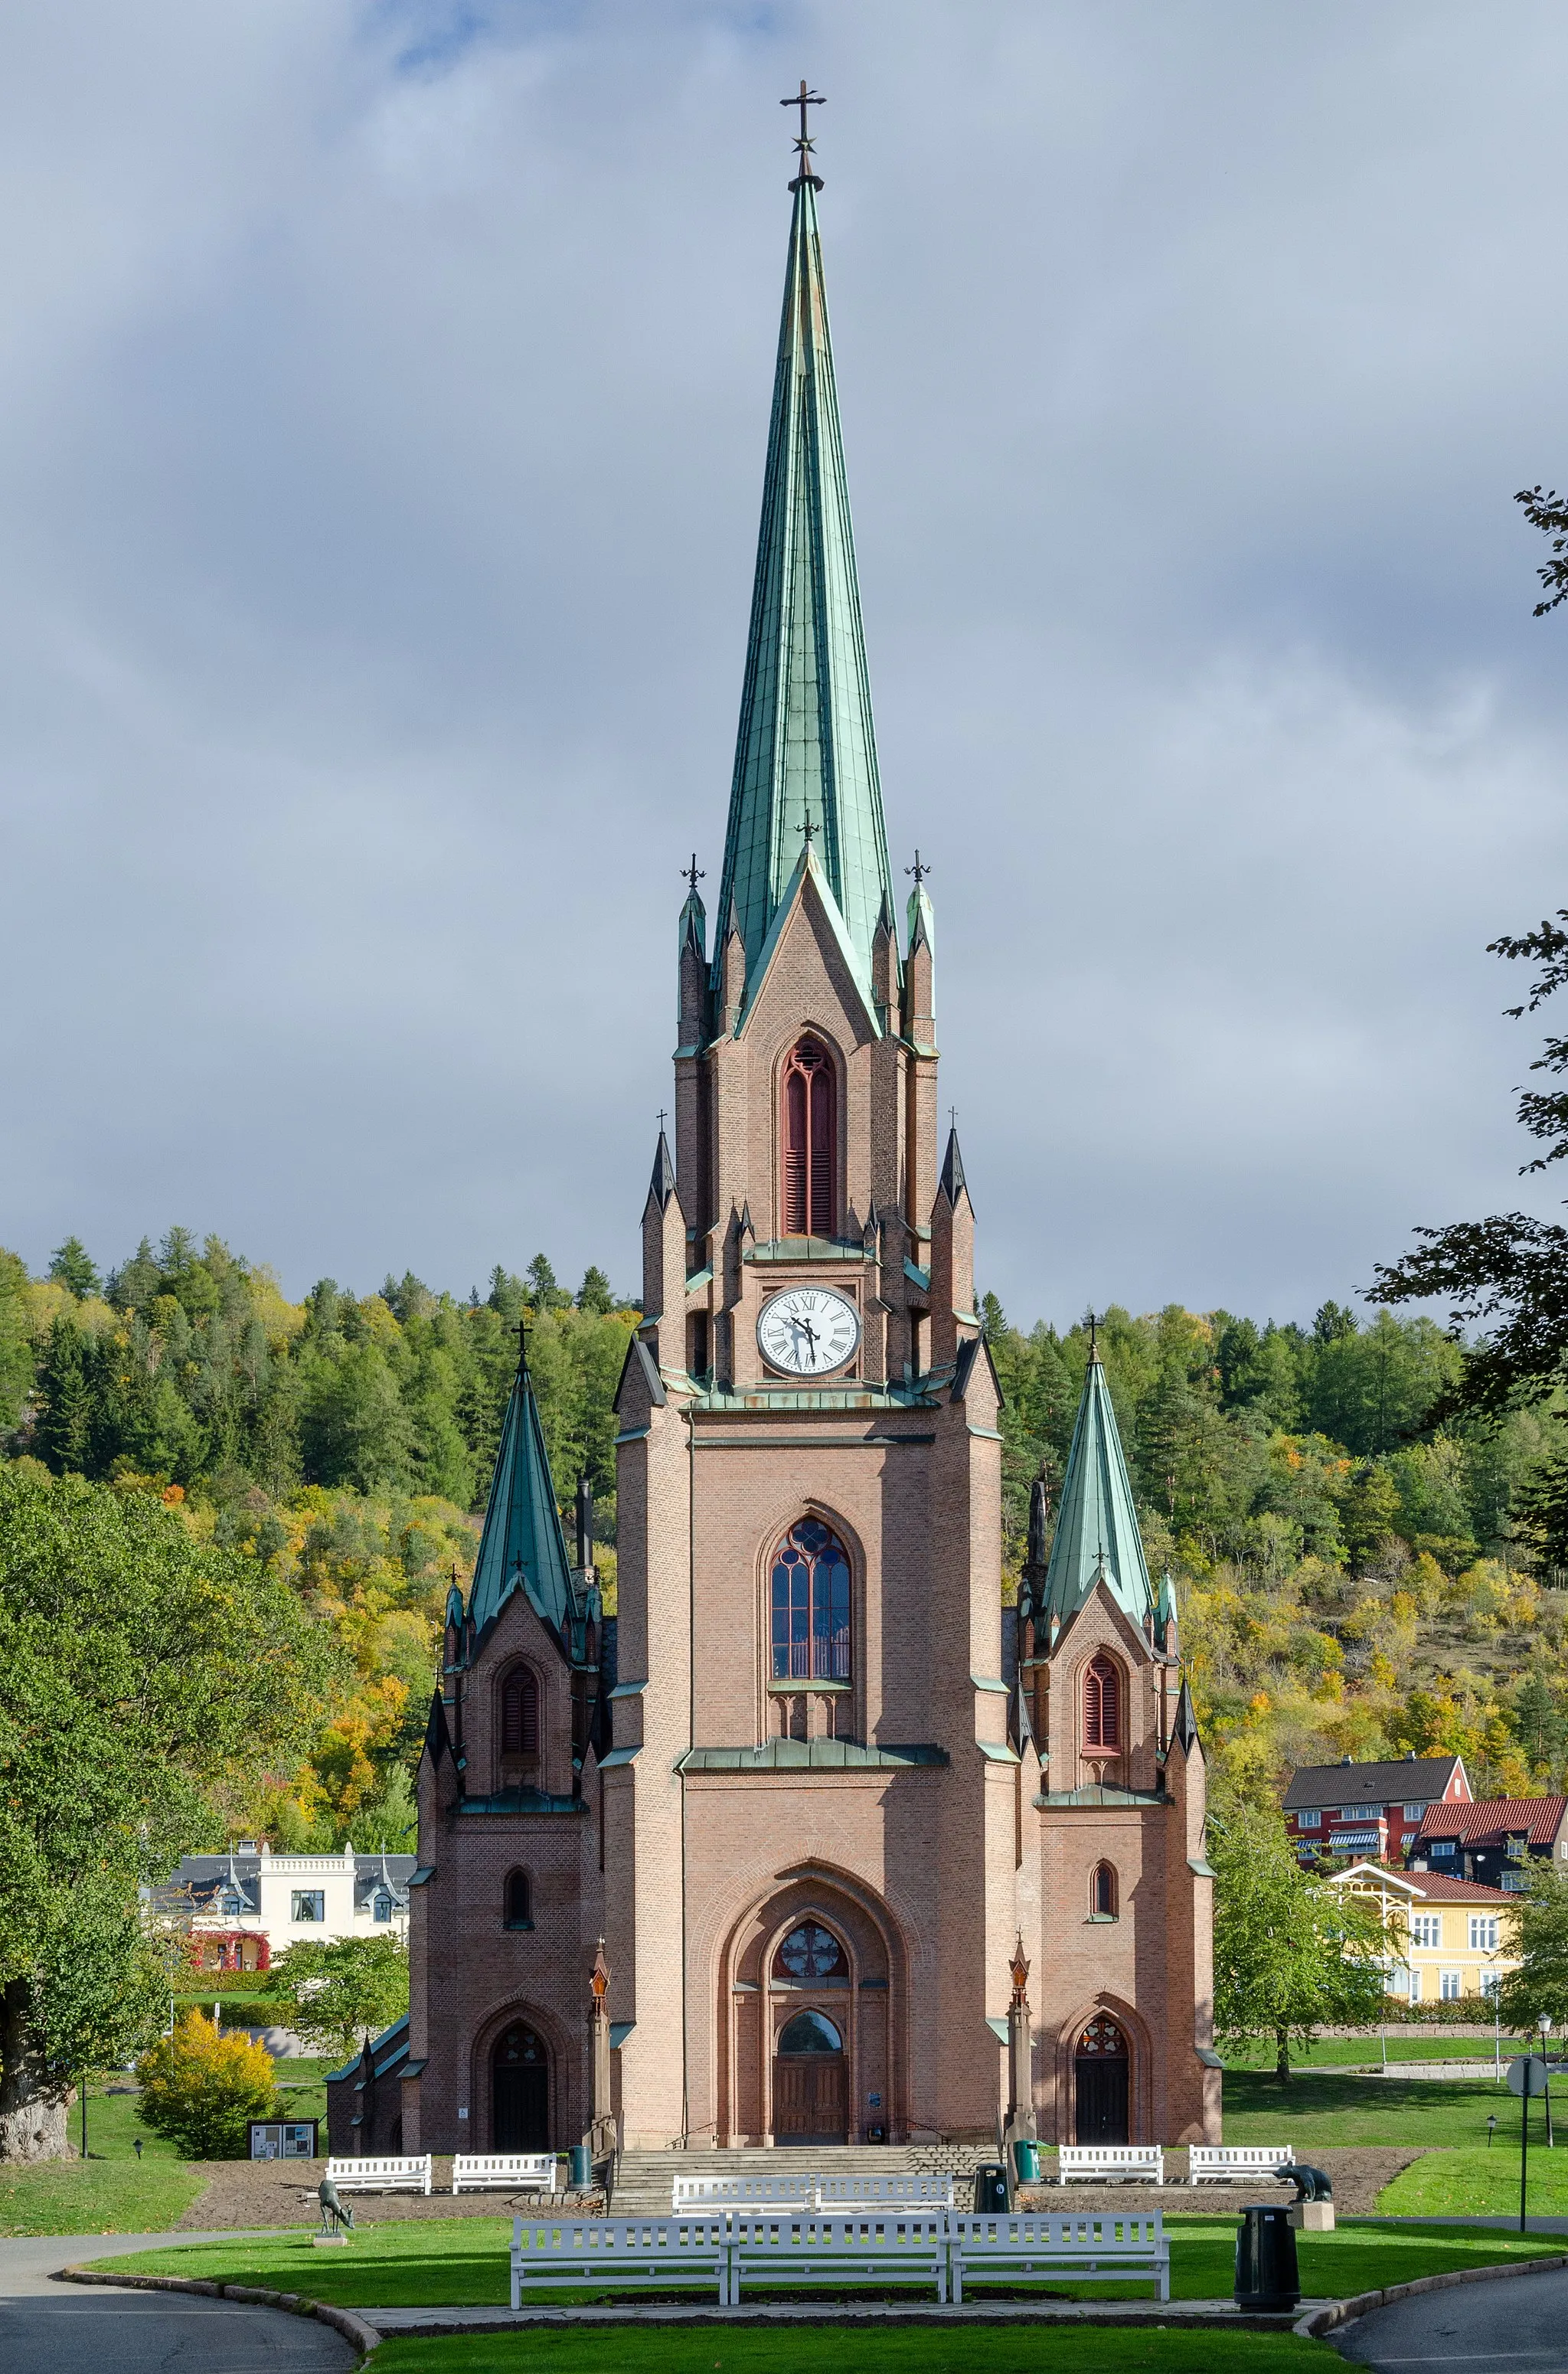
1545 2026
1490 2127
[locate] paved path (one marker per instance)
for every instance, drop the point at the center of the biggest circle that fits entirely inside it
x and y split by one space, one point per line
51 2328
1519 2326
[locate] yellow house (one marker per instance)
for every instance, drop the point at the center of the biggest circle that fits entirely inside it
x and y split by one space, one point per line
1450 1937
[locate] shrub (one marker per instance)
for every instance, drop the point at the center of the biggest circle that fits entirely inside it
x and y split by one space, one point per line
199 2088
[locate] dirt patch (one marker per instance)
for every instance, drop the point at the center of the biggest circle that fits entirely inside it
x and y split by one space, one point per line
258 2192
1358 2172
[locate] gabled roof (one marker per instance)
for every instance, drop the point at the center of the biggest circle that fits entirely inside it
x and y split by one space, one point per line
522 1546
1431 1886
808 869
1096 1529
1369 1786
953 1183
661 1186
1538 1818
805 750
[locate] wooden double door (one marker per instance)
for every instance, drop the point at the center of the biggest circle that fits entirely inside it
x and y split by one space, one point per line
811 2095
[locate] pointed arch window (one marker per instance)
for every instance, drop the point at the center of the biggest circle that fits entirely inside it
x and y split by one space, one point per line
810 1130
519 1714
1103 1904
518 1902
811 1606
1102 1706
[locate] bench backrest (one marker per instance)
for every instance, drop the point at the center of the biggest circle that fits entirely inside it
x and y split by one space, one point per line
788 2192
915 2234
528 2164
1104 2233
540 2241
345 2170
1247 2156
911 2192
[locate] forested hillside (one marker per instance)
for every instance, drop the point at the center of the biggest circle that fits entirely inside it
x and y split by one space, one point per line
1348 1584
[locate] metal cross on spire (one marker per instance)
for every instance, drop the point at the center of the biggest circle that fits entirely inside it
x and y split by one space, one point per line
693 874
809 829
1094 1326
919 869
803 99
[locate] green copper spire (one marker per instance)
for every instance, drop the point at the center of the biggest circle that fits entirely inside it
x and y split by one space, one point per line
522 1544
1098 1526
805 754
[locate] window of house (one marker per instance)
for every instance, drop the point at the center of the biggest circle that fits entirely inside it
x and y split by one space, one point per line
1102 1705
231 1906
1518 1845
809 1135
1442 1845
518 1902
1415 1986
519 1714
1491 1982
811 1606
1512 1883
381 1906
309 1904
1483 1932
1412 1813
1426 1928
1449 1986
1310 1819
1103 1892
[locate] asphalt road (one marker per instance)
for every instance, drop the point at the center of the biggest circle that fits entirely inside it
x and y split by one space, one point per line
1518 2326
53 2328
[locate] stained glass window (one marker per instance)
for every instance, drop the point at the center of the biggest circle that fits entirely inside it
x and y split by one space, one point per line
811 1606
1103 2036
809 1954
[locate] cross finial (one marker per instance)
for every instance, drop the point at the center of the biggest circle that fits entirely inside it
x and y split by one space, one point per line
523 1342
693 874
952 1116
919 869
803 99
1094 1326
663 1117
809 829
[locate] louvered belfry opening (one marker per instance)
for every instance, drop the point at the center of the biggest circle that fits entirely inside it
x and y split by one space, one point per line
1102 1706
519 1714
811 1140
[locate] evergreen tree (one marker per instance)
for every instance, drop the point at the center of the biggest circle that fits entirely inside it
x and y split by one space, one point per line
593 1295
71 1266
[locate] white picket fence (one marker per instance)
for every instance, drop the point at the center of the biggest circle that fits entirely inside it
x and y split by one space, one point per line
731 2248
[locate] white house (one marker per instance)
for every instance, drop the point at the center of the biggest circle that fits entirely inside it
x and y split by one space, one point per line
244 1908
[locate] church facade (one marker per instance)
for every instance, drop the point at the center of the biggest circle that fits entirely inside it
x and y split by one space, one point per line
812 1783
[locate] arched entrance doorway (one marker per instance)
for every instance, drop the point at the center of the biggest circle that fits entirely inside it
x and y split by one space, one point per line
1101 2066
810 2088
520 2098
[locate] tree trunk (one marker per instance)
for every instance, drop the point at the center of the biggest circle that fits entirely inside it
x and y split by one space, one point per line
1283 2055
33 2099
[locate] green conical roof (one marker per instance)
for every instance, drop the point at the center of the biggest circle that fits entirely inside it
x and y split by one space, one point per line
1097 1524
805 746
522 1544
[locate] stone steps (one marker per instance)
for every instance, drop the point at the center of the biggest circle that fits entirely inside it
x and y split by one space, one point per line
644 2178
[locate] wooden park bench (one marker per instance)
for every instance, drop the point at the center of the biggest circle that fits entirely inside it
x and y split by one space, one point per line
1111 2246
789 2195
1110 2164
504 2172
1234 2163
380 2175
869 2245
839 2195
624 2253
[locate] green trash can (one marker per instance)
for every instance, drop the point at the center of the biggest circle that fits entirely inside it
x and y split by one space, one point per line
1267 2276
581 2168
1026 2160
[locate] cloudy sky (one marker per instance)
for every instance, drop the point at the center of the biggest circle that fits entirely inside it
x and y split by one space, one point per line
383 392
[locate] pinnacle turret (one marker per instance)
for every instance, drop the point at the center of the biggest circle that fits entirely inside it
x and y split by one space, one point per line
521 1546
1097 1532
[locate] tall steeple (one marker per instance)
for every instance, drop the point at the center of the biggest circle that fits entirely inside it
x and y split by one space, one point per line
805 754
522 1546
1097 1530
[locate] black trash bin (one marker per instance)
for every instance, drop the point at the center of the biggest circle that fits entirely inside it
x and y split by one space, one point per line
990 2186
1266 2258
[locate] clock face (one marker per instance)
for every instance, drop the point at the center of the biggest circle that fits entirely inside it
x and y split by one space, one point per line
808 1330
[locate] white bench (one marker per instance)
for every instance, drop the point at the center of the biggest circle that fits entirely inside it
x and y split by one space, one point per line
1110 2164
1231 2163
1112 2246
504 2172
789 2195
837 2194
873 2247
622 2251
380 2175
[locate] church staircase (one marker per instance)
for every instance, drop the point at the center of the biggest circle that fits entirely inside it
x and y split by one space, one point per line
643 2178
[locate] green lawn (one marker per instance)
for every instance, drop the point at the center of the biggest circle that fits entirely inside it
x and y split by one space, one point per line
1332 2051
840 2349
1320 2106
109 2192
1483 2183
462 2261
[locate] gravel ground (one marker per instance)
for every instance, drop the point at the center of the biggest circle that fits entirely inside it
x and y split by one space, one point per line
1358 2172
256 2193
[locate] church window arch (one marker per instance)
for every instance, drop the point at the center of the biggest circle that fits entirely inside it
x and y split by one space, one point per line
1102 1706
809 1587
810 1955
520 1711
518 1901
809 1140
1104 1893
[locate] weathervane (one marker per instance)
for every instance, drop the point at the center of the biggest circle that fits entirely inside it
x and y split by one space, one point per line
803 99
919 869
693 874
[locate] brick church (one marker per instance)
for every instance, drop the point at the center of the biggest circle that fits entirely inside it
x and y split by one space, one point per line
812 1781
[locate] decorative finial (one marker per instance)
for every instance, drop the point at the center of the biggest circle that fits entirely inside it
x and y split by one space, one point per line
693 874
663 1117
1018 1970
1094 1326
803 99
809 829
523 1342
919 869
952 1116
